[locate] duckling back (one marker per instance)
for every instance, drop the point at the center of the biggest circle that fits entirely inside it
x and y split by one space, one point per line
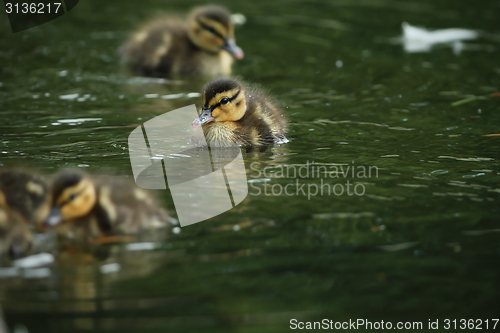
264 122
125 208
157 49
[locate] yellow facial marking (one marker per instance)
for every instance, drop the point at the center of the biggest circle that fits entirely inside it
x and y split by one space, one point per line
225 94
233 110
78 200
219 28
208 34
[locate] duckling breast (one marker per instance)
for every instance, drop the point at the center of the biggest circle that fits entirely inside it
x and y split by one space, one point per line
215 64
222 134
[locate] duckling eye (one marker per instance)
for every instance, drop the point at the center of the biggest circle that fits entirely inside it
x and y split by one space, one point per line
225 100
72 197
212 30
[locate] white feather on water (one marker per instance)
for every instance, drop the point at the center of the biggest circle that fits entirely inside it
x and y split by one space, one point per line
417 39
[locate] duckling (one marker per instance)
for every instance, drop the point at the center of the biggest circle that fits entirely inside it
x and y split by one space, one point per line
234 113
91 208
15 236
202 45
25 193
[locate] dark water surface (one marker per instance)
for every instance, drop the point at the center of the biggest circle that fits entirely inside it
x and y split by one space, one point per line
420 244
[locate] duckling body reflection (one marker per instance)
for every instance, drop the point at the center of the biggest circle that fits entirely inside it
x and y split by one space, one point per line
234 113
202 45
85 208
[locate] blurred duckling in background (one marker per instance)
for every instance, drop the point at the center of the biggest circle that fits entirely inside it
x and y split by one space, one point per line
85 208
202 45
234 113
15 235
26 193
24 202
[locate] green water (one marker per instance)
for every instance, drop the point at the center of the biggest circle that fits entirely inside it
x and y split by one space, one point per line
420 244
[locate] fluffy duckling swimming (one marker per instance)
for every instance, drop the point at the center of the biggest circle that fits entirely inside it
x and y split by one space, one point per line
26 193
90 208
202 45
234 113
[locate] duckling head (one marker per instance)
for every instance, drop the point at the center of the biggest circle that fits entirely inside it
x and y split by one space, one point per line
223 100
73 195
211 29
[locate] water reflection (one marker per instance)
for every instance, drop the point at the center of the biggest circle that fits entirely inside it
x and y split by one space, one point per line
79 281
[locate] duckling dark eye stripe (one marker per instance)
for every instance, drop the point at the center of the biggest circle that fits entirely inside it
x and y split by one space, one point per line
76 194
235 95
212 30
230 100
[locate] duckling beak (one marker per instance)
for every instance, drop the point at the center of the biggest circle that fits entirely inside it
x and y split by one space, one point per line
54 218
231 47
204 118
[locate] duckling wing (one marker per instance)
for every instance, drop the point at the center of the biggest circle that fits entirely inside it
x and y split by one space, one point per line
129 208
265 121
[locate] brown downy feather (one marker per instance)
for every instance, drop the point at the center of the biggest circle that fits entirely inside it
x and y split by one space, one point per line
251 117
26 193
15 236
